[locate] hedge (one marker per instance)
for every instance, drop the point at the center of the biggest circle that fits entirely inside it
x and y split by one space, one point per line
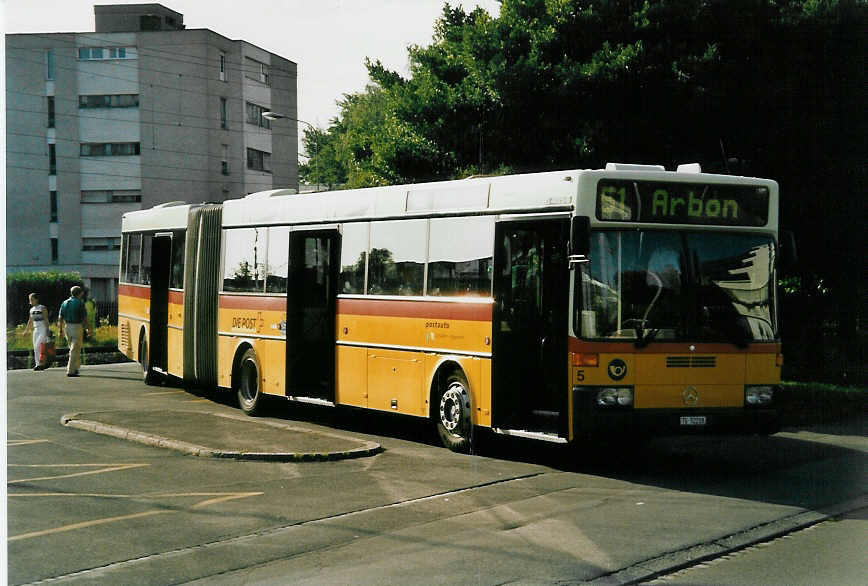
51 286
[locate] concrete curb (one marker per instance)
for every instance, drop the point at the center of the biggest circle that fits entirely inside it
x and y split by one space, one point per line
678 560
367 449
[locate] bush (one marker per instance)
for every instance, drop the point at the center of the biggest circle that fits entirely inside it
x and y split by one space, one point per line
51 286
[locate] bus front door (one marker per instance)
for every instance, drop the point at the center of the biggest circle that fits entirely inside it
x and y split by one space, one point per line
161 262
529 349
311 300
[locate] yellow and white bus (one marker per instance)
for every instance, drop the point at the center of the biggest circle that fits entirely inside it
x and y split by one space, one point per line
553 306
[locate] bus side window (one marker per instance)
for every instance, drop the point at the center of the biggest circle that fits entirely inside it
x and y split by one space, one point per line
244 262
397 261
460 266
147 241
354 258
134 259
277 268
177 273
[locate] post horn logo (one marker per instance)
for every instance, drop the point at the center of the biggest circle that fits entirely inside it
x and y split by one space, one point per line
617 369
690 396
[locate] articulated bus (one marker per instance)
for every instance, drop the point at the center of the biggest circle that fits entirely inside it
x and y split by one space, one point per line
555 306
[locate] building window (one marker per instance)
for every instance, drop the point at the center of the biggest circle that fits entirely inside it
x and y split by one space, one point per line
109 149
150 22
99 53
53 198
49 64
101 243
222 66
111 195
254 115
52 159
258 160
109 101
223 123
256 70
50 111
54 251
224 163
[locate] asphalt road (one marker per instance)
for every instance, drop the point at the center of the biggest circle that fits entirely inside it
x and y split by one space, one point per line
93 509
833 552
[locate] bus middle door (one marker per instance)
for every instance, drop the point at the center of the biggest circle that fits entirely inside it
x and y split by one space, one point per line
311 302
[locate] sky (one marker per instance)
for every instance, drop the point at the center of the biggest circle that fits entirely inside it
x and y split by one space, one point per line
328 39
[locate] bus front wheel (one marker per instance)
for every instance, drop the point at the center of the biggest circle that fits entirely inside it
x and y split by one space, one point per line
452 413
250 397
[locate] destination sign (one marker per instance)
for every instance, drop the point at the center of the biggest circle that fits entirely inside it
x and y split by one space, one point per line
621 200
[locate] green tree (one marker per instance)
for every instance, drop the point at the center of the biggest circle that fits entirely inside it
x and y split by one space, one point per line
758 87
323 165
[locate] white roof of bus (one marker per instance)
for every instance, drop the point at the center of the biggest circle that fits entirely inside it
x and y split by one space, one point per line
542 192
166 216
483 194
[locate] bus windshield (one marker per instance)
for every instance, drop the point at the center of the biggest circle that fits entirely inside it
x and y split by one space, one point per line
663 285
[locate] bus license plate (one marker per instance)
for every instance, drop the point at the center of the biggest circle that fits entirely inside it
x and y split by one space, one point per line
694 420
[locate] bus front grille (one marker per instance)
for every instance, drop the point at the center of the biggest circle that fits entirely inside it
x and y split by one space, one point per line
691 361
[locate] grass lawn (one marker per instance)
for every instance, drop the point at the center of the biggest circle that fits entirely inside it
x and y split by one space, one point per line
16 339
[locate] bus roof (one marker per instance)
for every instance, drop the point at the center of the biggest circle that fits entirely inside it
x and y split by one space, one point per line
544 191
533 192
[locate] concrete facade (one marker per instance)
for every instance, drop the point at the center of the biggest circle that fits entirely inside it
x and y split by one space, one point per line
160 135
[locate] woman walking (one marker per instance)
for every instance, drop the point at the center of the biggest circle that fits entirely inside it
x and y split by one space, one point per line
38 322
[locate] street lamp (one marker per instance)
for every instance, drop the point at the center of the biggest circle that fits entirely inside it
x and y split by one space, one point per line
277 116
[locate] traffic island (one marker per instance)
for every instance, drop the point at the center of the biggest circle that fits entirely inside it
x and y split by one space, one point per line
218 435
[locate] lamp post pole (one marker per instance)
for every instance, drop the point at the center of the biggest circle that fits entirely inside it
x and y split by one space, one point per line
277 116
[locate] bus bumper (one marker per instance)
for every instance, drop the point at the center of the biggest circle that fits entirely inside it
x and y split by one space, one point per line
593 421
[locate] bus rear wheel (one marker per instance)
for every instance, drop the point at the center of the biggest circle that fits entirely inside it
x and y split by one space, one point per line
250 396
452 413
149 375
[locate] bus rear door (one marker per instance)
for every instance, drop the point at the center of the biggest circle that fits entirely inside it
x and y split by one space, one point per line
161 263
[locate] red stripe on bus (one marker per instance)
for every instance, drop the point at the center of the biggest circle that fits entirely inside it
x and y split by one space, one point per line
420 309
176 297
591 347
252 302
140 291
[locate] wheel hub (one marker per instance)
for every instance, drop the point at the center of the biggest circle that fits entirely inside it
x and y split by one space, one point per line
453 407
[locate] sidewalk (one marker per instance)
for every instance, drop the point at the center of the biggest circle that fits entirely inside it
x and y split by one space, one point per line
220 435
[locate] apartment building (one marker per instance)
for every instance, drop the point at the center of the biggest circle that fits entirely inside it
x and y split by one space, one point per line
139 112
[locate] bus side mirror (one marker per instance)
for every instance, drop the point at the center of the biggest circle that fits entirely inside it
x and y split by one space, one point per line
788 254
580 240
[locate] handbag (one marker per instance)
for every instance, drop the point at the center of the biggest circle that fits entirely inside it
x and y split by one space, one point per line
47 352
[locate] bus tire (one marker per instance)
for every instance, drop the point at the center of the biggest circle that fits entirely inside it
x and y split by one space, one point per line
452 413
246 378
149 375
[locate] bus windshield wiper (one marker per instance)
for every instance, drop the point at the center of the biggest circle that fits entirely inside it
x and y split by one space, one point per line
645 337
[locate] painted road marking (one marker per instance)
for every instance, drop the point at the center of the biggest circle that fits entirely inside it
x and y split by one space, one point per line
26 442
103 469
218 497
84 524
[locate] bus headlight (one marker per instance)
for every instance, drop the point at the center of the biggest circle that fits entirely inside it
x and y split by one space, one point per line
615 397
758 394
